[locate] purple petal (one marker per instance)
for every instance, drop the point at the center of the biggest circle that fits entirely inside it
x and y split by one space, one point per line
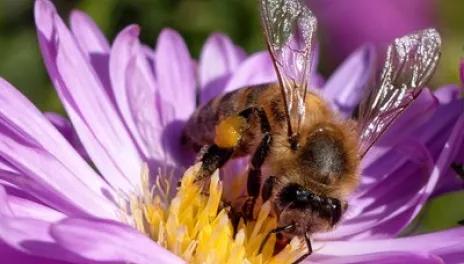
219 58
381 257
109 241
5 208
347 85
406 125
48 165
449 180
134 89
93 115
372 214
93 44
67 130
87 33
24 208
256 69
446 244
32 237
175 74
10 255
448 93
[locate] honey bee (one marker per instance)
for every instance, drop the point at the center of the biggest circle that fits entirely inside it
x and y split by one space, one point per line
311 153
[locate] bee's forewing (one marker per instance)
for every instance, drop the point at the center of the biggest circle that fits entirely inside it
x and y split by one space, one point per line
289 28
410 63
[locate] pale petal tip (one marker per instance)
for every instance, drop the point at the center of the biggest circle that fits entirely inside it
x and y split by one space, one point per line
44 11
77 17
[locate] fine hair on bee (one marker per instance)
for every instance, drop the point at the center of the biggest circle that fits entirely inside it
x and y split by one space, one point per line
311 154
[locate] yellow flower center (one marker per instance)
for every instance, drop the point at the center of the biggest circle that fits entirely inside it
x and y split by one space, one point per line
196 227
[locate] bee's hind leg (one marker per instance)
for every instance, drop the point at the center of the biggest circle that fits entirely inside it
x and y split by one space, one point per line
257 160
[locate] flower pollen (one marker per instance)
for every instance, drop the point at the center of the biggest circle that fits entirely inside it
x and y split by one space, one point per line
195 227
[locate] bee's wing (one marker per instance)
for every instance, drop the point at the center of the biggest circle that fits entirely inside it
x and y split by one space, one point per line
410 63
289 28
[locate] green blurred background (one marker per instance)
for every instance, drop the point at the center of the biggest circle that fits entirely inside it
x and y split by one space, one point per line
21 64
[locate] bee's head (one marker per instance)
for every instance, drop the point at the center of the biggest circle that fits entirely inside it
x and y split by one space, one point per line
314 180
306 211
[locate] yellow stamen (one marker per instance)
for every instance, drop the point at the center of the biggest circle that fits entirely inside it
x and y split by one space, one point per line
195 227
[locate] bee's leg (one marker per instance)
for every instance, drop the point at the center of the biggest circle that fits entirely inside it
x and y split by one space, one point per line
308 246
458 168
257 160
274 231
212 158
268 186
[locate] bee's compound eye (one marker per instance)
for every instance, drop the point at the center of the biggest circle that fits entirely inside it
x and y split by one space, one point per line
336 210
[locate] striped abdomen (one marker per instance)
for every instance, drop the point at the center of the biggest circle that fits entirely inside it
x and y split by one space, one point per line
200 128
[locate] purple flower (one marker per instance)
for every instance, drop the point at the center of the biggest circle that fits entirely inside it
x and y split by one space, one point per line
62 186
348 24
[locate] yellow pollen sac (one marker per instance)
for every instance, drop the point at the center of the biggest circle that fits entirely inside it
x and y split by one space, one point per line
229 131
197 227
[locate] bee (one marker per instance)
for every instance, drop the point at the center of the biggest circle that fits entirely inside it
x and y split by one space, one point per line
311 154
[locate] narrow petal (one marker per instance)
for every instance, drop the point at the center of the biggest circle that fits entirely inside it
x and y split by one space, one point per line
446 244
5 208
25 208
10 255
32 237
93 44
134 89
175 73
67 130
219 58
406 125
257 69
348 84
381 257
109 241
386 209
449 180
35 149
88 35
448 93
96 120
